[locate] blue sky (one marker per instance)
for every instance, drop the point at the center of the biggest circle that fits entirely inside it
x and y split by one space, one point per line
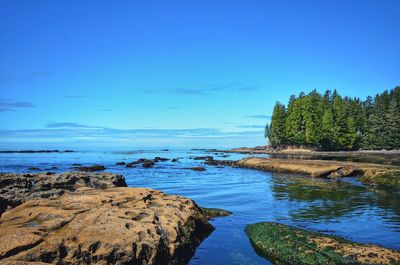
181 73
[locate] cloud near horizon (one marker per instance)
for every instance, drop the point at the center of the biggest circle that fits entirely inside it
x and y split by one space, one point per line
11 105
234 87
68 132
259 116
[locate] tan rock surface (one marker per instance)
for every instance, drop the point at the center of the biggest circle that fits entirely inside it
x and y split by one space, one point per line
315 168
113 226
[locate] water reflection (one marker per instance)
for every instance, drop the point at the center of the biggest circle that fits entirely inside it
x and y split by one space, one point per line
328 200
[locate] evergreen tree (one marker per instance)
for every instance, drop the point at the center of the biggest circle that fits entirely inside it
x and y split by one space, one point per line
276 132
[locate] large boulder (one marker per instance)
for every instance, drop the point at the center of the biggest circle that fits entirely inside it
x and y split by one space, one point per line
18 188
112 226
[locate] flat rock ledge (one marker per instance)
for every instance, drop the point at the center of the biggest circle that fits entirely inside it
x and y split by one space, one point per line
384 175
18 188
284 244
111 226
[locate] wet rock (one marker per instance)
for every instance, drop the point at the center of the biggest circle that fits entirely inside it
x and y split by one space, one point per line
196 168
175 160
18 188
160 159
92 168
146 163
220 163
206 158
120 163
34 168
113 226
283 244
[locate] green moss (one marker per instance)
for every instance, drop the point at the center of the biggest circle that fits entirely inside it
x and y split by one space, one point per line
287 245
214 212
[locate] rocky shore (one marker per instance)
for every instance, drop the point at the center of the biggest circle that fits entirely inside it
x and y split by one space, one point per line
382 175
284 244
86 218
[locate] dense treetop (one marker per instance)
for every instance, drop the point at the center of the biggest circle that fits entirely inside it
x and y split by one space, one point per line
333 122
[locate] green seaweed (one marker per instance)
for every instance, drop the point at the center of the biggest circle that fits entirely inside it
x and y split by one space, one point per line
214 212
287 245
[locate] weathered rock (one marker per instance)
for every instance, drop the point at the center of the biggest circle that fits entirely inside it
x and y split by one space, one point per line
17 188
315 168
288 245
113 226
92 168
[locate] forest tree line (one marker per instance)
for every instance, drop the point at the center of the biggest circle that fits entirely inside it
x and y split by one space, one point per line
333 122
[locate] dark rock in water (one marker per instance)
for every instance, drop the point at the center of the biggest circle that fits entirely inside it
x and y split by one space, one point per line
284 244
206 158
17 188
120 163
220 163
148 164
175 160
34 151
54 168
115 226
34 168
197 168
165 150
90 168
160 159
77 165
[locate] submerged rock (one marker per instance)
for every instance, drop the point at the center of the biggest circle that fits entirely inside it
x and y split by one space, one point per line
283 244
18 188
113 226
196 168
92 168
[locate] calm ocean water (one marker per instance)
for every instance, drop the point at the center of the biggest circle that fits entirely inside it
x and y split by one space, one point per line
345 208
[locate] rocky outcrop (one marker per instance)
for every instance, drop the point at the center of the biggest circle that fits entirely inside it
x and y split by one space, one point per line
112 226
283 244
18 188
314 168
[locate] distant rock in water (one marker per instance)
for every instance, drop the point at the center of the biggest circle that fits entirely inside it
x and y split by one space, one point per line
196 168
90 168
35 151
160 159
34 168
17 188
120 163
113 226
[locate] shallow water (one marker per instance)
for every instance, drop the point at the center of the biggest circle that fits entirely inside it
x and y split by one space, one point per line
345 208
